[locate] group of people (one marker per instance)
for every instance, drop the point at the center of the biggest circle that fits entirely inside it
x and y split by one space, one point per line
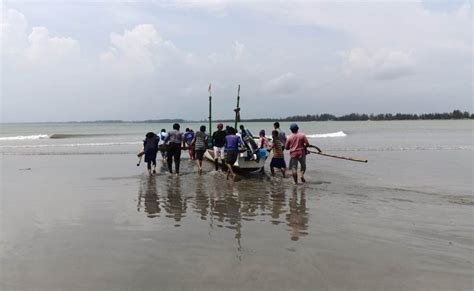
227 144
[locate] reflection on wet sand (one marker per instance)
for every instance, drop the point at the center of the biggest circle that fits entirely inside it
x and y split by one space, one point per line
148 194
226 204
297 216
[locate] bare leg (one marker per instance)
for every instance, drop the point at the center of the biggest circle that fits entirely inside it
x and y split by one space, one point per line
197 164
273 171
295 176
230 171
283 171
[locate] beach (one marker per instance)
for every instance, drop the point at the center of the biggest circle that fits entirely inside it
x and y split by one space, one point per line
78 214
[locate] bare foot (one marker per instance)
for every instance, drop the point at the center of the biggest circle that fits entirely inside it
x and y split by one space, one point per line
303 180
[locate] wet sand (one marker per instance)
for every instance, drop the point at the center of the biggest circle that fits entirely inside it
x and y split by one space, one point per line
97 222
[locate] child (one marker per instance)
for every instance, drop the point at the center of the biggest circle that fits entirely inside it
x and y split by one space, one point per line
278 160
200 143
150 149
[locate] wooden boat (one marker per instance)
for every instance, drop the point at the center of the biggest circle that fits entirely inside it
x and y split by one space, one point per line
243 163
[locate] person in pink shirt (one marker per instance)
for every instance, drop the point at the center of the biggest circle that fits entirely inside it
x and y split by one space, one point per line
297 144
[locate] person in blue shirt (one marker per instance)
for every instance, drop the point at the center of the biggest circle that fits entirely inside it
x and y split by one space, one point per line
188 138
233 145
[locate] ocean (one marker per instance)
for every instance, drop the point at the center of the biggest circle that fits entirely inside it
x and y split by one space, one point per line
78 214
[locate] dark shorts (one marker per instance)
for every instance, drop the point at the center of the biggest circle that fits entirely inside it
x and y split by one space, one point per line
150 156
278 163
294 163
231 157
200 154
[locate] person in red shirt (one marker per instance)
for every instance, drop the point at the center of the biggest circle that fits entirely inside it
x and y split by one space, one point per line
297 144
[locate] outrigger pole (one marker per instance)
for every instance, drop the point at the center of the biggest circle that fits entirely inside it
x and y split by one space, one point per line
210 109
237 109
338 157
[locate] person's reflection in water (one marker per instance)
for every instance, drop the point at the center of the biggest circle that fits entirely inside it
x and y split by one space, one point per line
233 212
297 217
148 192
202 199
175 205
278 199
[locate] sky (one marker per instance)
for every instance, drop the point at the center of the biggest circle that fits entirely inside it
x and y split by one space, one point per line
138 60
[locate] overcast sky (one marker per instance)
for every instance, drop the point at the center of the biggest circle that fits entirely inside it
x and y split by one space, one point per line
136 60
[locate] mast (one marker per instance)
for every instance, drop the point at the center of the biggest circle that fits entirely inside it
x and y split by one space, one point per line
237 109
210 109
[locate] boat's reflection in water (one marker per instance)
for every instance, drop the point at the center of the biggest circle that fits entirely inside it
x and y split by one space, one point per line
224 204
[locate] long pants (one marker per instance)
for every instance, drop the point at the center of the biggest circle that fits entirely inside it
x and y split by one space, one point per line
174 151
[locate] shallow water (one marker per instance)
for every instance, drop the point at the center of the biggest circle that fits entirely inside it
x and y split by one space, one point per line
85 217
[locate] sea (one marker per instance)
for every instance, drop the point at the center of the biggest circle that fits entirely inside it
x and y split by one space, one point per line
77 213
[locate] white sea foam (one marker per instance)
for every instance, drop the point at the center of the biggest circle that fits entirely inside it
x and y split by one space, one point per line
72 145
25 137
326 135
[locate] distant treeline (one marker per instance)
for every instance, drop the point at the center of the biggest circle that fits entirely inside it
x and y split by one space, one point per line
456 114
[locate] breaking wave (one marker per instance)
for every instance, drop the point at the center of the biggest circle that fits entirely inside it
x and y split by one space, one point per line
326 135
25 137
54 136
77 135
72 145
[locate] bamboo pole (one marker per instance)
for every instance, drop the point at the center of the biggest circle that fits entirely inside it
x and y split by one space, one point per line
339 157
237 109
210 113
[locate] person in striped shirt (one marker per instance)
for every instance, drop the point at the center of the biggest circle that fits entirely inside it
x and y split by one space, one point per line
278 160
200 144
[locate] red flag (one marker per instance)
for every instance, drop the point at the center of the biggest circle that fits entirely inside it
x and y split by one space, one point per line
209 88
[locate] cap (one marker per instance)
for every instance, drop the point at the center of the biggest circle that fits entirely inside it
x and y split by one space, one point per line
294 126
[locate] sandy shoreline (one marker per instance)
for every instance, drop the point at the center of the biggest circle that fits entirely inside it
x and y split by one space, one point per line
90 223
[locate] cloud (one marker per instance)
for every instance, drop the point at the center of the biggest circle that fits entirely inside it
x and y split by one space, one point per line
282 85
381 64
45 49
130 67
139 51
239 50
13 31
36 48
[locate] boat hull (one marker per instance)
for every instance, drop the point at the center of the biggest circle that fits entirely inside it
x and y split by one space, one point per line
241 164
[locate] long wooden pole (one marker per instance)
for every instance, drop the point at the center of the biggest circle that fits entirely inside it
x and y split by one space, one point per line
210 108
210 113
339 157
237 109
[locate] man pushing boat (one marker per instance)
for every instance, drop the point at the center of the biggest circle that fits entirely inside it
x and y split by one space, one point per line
297 143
